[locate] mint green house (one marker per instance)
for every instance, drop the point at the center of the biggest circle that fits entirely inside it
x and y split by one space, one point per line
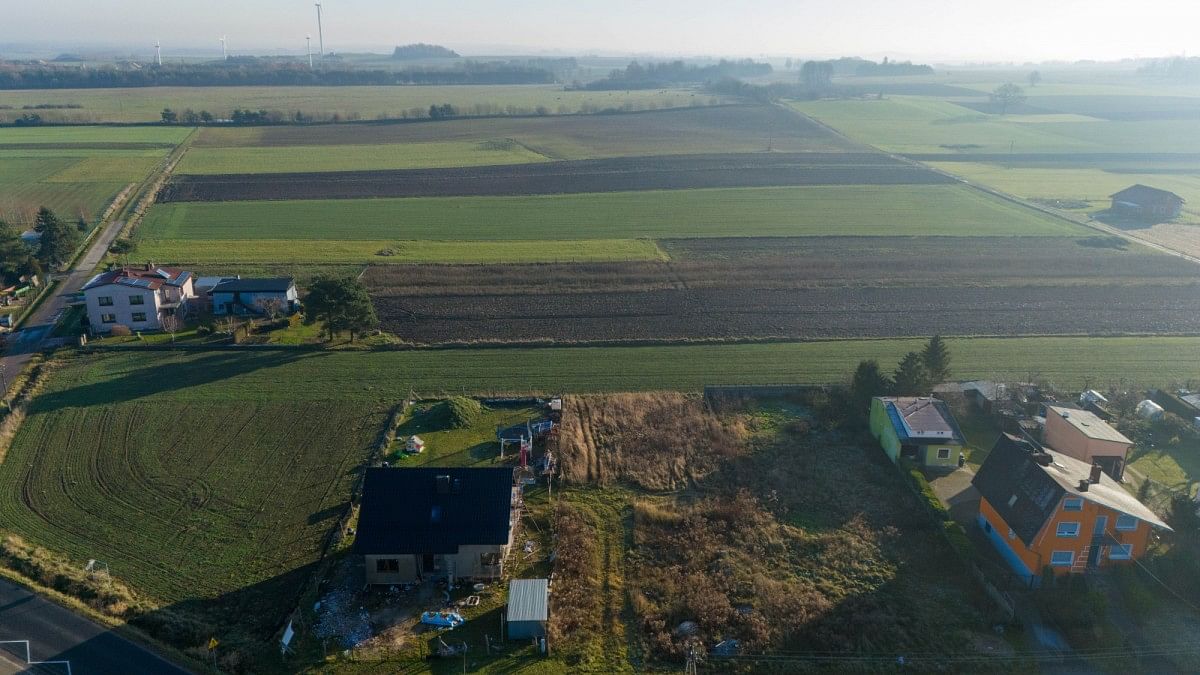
919 428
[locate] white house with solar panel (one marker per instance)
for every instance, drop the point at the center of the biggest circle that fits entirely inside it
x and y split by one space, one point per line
137 297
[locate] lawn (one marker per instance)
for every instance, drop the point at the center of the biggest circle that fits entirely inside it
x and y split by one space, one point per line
447 446
858 210
213 510
91 135
293 158
143 104
233 254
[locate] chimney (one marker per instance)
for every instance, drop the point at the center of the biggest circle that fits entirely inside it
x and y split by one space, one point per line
1095 475
1083 484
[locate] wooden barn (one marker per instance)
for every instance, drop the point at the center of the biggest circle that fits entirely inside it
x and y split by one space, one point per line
1146 203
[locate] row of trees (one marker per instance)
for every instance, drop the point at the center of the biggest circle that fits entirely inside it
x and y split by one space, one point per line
254 72
669 73
915 375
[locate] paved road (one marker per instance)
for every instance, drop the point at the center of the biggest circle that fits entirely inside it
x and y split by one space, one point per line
57 634
25 342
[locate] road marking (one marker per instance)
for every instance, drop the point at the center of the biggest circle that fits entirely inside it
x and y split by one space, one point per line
28 656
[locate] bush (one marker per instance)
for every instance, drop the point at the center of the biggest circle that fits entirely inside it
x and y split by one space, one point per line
929 497
204 330
120 331
123 246
463 412
957 537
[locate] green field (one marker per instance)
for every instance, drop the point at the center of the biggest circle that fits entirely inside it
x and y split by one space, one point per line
295 159
224 254
205 508
859 210
75 171
906 124
374 377
143 104
1093 185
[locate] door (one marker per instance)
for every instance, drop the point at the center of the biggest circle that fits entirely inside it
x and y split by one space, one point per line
427 563
1097 546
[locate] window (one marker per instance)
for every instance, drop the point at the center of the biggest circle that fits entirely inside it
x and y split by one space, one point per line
1062 558
1011 534
137 299
104 301
1073 504
1012 500
943 453
1120 552
1126 523
387 565
1068 529
108 318
139 316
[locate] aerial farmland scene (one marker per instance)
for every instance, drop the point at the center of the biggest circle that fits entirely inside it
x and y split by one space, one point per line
532 337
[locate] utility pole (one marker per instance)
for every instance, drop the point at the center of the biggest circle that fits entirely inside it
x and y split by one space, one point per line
308 46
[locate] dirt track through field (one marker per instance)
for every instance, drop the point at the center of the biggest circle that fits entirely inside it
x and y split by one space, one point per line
594 175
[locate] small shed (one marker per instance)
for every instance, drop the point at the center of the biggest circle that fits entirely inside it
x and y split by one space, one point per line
528 608
415 445
1147 203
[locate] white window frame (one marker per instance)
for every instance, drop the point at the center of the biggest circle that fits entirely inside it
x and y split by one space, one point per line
1070 561
943 450
108 318
1074 529
1133 523
137 300
134 317
1127 552
104 300
1067 504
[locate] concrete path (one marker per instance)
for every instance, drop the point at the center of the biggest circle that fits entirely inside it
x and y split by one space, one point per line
957 494
58 634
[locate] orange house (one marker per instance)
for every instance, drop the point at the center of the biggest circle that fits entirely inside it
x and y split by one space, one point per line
1044 510
1086 437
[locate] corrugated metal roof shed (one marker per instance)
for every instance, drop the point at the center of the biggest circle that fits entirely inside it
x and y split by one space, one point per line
528 600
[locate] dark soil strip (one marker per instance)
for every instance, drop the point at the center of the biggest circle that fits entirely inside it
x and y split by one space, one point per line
596 175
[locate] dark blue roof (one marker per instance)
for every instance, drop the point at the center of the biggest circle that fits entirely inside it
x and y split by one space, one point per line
433 510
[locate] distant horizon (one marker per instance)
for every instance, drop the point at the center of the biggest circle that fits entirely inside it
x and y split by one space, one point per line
928 31
197 51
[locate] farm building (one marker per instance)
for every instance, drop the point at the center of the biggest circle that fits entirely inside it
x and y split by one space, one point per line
140 298
420 522
1041 508
920 428
1147 203
253 297
528 608
1085 436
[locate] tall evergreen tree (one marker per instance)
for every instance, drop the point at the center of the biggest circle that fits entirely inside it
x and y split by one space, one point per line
936 357
15 256
911 378
342 303
59 239
869 381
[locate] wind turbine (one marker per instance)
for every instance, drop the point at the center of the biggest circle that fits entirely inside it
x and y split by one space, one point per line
158 52
224 54
308 45
320 33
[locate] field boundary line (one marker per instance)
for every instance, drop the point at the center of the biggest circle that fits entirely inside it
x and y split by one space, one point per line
147 193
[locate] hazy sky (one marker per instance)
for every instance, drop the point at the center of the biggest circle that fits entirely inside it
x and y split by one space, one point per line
948 30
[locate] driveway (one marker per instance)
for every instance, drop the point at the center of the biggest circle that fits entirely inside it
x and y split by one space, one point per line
57 634
957 494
